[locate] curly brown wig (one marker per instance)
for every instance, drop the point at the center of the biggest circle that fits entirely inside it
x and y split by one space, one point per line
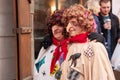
83 16
55 19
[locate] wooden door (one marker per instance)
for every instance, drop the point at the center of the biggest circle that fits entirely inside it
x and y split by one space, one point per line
23 33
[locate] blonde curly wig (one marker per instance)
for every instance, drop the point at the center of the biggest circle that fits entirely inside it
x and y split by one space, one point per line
83 16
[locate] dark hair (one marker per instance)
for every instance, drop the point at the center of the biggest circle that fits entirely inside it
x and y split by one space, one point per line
54 19
104 1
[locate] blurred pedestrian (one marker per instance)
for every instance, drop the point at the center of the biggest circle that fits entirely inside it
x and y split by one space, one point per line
94 7
109 26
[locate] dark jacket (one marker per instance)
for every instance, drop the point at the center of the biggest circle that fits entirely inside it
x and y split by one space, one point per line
115 31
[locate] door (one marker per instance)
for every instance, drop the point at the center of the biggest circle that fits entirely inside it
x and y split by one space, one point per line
23 39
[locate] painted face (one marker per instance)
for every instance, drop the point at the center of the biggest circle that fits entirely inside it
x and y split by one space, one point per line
57 32
72 28
105 8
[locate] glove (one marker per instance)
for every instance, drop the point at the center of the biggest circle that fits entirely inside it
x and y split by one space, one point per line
96 36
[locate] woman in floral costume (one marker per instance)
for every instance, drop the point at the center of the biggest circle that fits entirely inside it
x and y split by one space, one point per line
53 51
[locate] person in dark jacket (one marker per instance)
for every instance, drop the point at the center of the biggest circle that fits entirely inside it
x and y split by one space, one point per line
109 26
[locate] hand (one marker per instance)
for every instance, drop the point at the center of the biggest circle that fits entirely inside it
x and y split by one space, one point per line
95 37
107 25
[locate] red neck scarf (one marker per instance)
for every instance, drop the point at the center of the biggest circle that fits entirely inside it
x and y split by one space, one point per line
56 55
81 38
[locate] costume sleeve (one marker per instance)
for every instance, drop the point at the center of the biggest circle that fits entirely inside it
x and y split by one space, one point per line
36 74
41 52
102 68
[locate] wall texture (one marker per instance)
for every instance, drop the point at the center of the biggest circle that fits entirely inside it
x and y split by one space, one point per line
7 41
